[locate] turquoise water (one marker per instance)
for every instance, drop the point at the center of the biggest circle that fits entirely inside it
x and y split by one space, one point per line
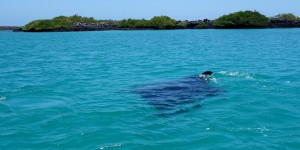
72 90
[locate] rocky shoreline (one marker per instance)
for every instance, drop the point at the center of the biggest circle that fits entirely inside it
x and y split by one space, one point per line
113 25
276 23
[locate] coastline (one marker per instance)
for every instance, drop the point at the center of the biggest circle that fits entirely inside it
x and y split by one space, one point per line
191 25
236 20
79 29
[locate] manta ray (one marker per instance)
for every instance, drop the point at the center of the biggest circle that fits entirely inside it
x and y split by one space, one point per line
168 97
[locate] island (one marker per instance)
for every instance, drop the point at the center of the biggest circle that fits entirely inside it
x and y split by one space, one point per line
236 20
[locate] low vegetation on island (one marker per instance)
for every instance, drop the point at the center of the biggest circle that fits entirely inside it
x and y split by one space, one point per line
157 22
236 20
61 22
242 19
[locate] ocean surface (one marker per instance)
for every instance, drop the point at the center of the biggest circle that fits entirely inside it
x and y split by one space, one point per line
73 90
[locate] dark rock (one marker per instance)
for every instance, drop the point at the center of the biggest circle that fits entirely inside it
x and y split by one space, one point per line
9 27
277 23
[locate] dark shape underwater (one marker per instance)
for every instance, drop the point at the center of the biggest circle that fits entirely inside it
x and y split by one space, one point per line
169 97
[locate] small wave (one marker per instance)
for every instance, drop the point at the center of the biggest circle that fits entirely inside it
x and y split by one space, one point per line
262 130
214 80
2 98
237 74
111 146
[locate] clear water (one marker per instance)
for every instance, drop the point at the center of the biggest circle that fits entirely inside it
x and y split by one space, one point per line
71 90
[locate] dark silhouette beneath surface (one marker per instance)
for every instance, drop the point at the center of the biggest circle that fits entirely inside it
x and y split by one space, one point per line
168 97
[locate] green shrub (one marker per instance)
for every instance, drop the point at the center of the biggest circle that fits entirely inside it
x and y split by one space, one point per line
202 25
287 17
142 24
134 23
162 22
76 18
56 23
242 19
182 24
39 25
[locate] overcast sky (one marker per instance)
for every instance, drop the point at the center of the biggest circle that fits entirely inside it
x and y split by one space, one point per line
20 12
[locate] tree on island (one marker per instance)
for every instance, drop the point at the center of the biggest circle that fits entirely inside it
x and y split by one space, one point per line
157 22
242 19
286 17
162 22
134 23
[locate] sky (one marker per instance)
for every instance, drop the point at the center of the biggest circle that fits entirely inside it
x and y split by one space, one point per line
20 12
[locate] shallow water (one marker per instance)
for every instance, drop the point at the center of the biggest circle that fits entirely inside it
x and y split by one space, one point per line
72 90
